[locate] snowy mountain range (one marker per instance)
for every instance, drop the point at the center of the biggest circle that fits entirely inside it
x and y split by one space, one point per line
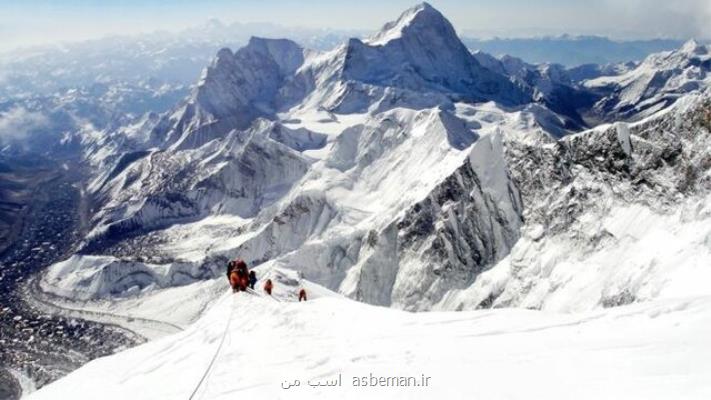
655 84
50 93
404 171
382 169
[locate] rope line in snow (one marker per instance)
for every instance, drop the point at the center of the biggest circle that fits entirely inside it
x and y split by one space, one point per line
222 341
254 292
217 352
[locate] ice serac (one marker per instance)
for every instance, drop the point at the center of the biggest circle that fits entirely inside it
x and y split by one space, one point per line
421 51
236 89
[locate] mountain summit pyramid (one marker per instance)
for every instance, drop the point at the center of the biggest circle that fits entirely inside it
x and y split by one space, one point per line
421 51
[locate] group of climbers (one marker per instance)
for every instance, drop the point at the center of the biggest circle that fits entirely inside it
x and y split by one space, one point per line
240 277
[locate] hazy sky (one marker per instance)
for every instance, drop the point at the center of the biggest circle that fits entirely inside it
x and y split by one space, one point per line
25 22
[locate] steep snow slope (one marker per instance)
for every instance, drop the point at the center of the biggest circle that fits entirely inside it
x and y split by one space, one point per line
400 171
385 219
640 255
656 83
249 346
312 174
279 81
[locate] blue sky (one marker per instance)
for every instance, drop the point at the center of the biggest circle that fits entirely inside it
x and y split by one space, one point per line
25 22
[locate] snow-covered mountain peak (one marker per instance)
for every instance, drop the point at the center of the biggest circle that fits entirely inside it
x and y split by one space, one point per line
690 54
286 53
234 90
373 164
693 47
413 20
421 51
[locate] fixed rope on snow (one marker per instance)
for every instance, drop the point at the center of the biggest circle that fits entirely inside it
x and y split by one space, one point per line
217 352
256 293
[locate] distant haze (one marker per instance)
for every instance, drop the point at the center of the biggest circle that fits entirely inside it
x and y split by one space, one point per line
572 51
33 22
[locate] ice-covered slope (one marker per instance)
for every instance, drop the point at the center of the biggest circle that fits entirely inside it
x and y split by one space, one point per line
249 346
384 219
615 215
655 84
507 221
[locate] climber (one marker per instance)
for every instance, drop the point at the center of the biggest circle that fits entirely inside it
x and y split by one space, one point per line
238 275
242 274
302 295
252 279
232 275
268 286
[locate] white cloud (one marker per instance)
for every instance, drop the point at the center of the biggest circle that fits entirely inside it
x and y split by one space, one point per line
681 19
17 123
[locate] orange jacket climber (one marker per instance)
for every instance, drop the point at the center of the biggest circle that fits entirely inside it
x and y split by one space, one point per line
268 286
234 280
302 295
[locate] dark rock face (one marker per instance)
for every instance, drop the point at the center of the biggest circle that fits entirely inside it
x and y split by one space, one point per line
470 231
464 226
9 388
652 164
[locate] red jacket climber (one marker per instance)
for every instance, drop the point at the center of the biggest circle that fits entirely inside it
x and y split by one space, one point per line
268 286
302 295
